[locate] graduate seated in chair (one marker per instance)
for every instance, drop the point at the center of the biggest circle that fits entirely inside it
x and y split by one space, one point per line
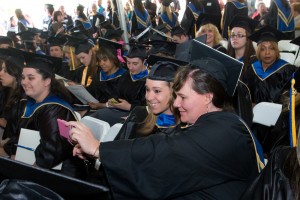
280 178
267 76
47 100
159 116
212 156
118 90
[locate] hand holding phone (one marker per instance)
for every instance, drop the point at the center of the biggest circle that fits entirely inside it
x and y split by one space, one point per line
63 129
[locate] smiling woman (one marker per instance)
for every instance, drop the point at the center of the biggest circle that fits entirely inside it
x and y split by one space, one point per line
47 101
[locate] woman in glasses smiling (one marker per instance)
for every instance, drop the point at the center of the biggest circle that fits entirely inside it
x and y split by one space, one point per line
239 46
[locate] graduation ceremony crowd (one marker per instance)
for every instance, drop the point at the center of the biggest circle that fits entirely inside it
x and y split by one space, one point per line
184 98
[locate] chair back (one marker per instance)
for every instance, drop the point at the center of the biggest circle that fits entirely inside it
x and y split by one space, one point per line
97 126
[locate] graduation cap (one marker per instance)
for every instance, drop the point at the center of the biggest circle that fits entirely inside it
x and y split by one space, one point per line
137 51
206 18
113 34
162 46
166 2
44 35
243 22
82 25
225 69
108 44
163 71
153 59
26 36
183 50
107 25
177 30
42 62
296 41
11 55
159 32
65 186
49 5
35 30
58 40
267 33
6 40
80 41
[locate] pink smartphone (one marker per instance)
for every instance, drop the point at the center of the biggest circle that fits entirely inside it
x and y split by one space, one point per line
63 129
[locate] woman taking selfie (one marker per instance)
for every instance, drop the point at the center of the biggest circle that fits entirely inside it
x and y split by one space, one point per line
201 154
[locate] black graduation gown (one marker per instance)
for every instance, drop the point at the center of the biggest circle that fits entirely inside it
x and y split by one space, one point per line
213 159
133 123
273 182
269 88
11 130
65 71
188 22
232 8
220 48
53 149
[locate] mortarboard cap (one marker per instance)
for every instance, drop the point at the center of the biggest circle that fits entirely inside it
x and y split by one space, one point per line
105 43
6 40
243 22
158 35
137 51
163 71
26 36
267 33
57 182
42 62
48 5
58 40
166 2
80 41
162 46
225 69
205 18
106 25
296 41
183 50
35 30
12 56
44 35
113 34
177 30
152 59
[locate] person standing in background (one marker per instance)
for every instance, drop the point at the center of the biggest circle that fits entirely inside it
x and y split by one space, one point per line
232 8
280 16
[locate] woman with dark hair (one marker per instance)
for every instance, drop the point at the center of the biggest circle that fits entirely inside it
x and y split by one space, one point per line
240 46
47 101
167 16
159 116
210 157
23 23
57 26
189 20
80 13
10 77
233 8
140 18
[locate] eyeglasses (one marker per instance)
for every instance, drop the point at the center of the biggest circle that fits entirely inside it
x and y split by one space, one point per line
237 35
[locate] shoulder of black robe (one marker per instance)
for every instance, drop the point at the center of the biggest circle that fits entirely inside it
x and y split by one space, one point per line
272 182
133 122
190 161
53 149
133 91
220 48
